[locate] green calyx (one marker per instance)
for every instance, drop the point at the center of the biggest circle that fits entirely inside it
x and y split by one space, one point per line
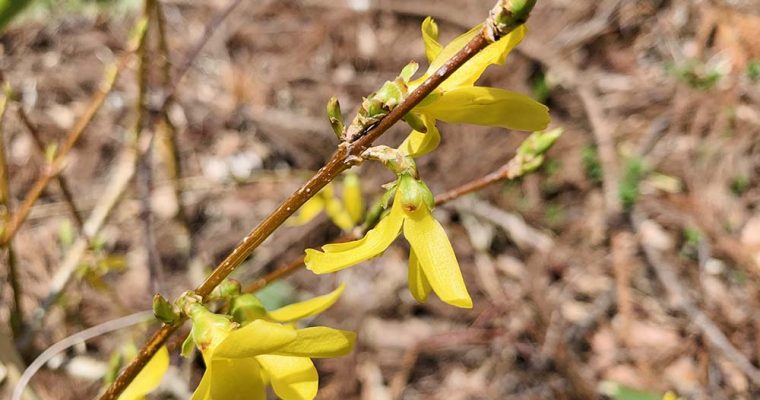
209 329
414 194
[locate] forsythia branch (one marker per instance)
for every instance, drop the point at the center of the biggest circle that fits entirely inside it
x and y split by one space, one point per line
347 155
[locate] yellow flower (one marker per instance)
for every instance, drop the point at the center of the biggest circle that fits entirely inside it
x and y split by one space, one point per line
432 262
149 378
242 361
457 100
345 213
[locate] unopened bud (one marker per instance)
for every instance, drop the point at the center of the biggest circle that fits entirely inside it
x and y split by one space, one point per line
229 289
247 308
507 15
336 118
539 142
415 122
164 310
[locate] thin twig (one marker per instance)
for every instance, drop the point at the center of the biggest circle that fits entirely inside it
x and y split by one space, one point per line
118 184
347 155
144 163
79 337
680 299
58 163
16 313
168 132
68 197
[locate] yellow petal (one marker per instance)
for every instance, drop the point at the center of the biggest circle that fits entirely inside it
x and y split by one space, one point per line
418 143
436 257
308 211
352 197
258 337
490 107
292 378
307 308
319 342
338 214
371 245
149 378
237 379
418 283
203 391
430 37
495 53
452 48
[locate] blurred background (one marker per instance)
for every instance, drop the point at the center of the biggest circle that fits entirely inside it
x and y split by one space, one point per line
626 267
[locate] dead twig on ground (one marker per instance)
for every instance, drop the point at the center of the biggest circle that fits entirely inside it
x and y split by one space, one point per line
68 197
681 301
16 314
58 163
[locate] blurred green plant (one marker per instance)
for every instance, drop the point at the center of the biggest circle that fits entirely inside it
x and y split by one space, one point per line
591 164
629 185
696 73
9 9
540 87
753 70
740 184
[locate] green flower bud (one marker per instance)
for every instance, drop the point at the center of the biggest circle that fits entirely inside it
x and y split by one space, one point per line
247 308
164 311
229 289
336 118
539 142
415 122
408 71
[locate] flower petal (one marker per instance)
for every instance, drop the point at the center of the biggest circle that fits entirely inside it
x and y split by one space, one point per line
291 377
430 37
338 256
238 379
258 337
418 143
494 53
203 391
489 106
418 283
452 48
352 197
149 378
338 214
319 342
308 211
437 258
307 308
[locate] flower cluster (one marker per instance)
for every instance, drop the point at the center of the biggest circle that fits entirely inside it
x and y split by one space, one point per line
252 348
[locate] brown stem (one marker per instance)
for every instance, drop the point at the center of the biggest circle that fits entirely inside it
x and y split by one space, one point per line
58 163
508 171
16 316
63 184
